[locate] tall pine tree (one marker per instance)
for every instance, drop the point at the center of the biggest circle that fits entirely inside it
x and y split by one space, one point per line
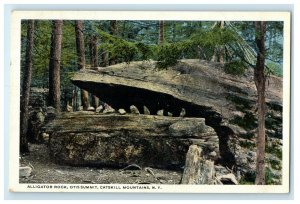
81 59
26 88
260 79
54 65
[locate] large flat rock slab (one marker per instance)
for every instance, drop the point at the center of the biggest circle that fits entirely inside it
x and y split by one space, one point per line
201 87
84 138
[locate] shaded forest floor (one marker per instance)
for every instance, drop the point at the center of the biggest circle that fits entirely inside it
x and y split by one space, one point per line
46 171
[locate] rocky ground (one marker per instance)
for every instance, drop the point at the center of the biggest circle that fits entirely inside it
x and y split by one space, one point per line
46 171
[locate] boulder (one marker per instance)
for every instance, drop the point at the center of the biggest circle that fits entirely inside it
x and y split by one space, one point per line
134 110
122 111
197 170
182 112
25 171
160 112
108 109
99 109
91 108
83 138
228 179
146 110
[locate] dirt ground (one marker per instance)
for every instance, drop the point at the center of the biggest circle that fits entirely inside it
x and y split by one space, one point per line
46 171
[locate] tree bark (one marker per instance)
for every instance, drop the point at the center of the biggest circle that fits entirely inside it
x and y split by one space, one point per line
26 88
94 63
161 36
103 59
197 170
259 78
54 65
113 29
222 49
81 59
192 169
214 57
93 51
219 50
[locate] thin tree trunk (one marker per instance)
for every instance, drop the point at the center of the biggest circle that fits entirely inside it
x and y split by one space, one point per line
93 51
161 36
113 28
94 63
214 57
103 59
54 64
259 78
26 88
222 50
81 59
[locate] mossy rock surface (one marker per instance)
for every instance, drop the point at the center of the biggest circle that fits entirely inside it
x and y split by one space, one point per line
82 138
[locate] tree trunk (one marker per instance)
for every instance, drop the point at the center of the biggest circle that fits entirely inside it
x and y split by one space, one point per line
103 59
259 78
222 49
161 32
81 59
214 57
113 28
93 51
197 170
26 88
192 167
54 64
94 63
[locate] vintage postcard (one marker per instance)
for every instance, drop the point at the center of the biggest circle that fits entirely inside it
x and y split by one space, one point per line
148 101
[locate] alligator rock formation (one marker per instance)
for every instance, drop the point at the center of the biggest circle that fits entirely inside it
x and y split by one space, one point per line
226 103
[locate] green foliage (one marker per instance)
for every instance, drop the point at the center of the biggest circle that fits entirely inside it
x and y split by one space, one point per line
274 68
68 51
248 178
214 37
270 176
240 102
145 51
42 44
124 51
248 122
248 135
272 122
275 164
247 144
120 49
235 67
168 54
276 151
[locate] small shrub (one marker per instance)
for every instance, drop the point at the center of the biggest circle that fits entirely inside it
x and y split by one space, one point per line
145 51
240 102
274 151
167 55
270 177
248 178
235 68
248 135
246 144
248 122
124 50
275 164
